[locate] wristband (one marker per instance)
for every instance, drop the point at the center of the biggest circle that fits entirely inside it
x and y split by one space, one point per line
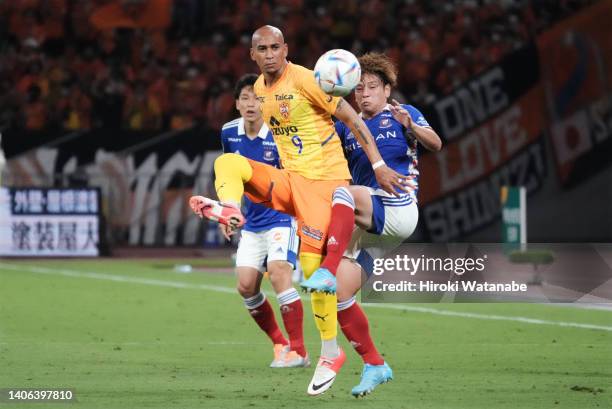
378 164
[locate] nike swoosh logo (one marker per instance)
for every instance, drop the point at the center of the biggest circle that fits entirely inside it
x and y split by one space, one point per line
317 387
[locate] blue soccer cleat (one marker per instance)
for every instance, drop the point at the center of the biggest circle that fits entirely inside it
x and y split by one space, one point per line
371 377
321 281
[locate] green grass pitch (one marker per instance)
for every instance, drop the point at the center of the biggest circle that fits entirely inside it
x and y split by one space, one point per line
136 334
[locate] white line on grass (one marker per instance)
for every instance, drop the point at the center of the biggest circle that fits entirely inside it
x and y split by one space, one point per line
227 290
114 277
489 316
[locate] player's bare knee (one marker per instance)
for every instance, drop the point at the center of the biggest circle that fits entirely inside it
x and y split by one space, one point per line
348 279
360 194
247 290
343 291
280 275
344 294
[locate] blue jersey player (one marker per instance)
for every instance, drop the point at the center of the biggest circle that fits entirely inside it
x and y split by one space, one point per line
397 130
267 239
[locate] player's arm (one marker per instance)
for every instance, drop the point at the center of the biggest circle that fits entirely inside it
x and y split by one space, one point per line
424 134
387 178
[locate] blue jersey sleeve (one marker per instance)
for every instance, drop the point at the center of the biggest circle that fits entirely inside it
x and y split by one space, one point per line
341 131
416 115
224 142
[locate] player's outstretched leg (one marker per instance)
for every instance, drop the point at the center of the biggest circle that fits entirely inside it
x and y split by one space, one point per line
355 326
339 236
324 310
293 313
261 311
232 172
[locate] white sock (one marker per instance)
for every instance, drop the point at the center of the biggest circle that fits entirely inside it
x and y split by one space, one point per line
329 348
255 301
288 296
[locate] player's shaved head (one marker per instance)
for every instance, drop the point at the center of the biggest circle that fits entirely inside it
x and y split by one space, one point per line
266 31
269 51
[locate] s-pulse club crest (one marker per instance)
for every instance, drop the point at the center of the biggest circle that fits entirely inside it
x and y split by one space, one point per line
284 109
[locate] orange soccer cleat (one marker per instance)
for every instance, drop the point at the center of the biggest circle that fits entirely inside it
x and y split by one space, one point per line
325 373
223 213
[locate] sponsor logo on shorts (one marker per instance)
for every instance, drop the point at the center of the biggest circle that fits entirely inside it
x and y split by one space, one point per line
312 232
277 236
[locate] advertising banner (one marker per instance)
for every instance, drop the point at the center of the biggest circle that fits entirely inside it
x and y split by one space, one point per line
49 222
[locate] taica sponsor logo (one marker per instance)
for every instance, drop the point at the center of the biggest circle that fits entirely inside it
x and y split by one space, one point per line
283 97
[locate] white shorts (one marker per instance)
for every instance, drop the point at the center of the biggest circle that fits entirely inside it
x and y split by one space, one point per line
394 220
275 244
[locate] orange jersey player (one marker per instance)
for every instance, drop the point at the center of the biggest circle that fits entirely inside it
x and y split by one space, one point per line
299 114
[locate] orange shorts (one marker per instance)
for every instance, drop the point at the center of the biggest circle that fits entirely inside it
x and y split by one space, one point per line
308 200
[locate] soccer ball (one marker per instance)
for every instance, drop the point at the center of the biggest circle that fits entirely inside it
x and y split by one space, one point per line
337 72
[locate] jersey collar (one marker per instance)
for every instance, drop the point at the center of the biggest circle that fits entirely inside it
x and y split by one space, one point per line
386 108
263 131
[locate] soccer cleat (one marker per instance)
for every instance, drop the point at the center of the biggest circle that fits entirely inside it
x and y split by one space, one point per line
325 373
322 281
371 377
223 213
295 360
280 353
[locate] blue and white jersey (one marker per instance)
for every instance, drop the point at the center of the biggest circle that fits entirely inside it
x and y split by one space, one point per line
398 151
262 149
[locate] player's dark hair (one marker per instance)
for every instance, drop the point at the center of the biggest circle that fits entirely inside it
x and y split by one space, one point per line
247 80
380 65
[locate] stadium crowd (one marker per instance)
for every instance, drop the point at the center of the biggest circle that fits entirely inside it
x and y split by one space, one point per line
162 64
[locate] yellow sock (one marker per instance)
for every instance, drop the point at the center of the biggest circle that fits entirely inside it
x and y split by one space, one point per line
324 306
231 172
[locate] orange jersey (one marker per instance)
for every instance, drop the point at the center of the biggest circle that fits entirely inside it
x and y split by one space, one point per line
298 114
